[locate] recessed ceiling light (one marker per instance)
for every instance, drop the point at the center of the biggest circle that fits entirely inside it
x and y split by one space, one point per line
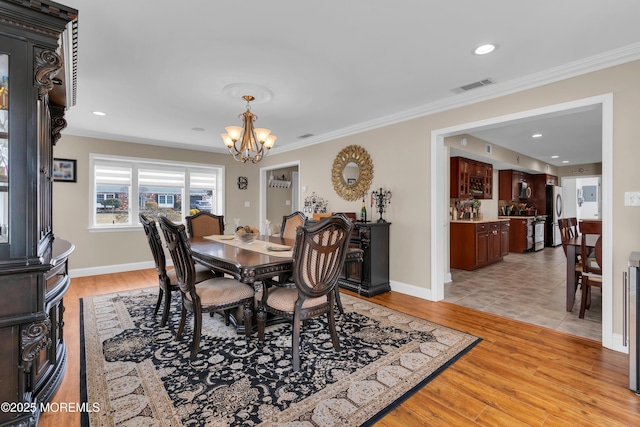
565 161
536 135
554 157
484 49
99 113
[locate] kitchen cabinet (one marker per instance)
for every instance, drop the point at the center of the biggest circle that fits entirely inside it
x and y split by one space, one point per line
539 197
470 178
37 87
475 244
509 184
521 235
371 276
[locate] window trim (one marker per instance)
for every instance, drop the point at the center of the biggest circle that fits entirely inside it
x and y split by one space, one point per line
137 163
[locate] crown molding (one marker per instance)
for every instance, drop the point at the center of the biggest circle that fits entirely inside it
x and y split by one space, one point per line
588 65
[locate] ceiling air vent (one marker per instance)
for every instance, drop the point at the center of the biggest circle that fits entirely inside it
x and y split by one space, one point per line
473 85
306 135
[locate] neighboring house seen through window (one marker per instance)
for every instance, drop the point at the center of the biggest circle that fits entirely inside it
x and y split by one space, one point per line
164 188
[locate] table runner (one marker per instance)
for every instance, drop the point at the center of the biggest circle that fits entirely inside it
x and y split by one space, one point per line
256 246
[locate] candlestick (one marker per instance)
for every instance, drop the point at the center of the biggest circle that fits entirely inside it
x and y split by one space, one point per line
382 198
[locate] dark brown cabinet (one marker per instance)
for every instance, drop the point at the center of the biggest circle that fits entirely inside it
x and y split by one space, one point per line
521 235
470 178
36 89
477 244
540 182
371 276
510 185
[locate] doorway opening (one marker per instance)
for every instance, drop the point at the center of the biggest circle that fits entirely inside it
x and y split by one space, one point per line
279 193
440 271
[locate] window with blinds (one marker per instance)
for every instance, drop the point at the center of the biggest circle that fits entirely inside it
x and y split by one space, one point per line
125 187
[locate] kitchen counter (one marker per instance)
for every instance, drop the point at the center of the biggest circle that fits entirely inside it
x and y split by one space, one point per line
479 221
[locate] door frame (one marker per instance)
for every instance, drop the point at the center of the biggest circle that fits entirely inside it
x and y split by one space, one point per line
440 271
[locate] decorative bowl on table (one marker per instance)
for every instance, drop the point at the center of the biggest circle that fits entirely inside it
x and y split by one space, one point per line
247 233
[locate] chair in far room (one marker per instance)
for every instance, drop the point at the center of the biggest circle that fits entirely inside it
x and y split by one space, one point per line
591 271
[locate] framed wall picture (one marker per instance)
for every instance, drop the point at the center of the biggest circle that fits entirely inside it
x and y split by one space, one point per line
64 170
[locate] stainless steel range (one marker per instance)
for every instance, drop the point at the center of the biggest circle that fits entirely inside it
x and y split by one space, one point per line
538 232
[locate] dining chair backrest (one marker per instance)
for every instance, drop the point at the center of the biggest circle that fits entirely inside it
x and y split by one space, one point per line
319 254
573 226
180 250
591 256
155 243
205 224
565 233
290 224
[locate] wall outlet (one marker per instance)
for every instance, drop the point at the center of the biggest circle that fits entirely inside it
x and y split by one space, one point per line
287 202
247 204
632 198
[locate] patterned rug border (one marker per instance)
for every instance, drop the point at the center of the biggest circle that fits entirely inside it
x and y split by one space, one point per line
85 422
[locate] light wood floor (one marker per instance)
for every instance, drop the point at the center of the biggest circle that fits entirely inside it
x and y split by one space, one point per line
520 374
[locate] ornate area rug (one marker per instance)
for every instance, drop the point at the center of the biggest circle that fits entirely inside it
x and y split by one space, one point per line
140 376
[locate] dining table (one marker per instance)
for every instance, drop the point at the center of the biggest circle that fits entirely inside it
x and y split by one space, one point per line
574 246
252 263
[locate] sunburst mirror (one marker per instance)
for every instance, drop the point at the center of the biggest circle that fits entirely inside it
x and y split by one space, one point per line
352 172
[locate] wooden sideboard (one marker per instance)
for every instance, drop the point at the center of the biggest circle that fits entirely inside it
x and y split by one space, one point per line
33 262
371 277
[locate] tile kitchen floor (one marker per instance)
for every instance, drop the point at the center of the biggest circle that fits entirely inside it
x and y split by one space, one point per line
529 287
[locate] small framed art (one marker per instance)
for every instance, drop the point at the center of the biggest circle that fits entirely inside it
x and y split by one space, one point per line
64 170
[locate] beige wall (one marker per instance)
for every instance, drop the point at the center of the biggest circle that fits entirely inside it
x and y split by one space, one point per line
401 157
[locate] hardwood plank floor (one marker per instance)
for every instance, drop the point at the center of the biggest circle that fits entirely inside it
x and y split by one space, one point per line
520 374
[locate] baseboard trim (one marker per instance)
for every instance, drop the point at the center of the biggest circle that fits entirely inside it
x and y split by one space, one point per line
109 269
412 290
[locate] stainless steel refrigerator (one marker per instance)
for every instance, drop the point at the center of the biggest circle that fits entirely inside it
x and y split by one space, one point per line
631 321
554 213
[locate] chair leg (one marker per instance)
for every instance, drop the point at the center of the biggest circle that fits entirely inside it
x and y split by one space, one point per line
332 328
295 342
337 296
197 331
155 312
183 318
585 296
167 306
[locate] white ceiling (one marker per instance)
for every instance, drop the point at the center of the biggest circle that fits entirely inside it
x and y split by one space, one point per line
158 68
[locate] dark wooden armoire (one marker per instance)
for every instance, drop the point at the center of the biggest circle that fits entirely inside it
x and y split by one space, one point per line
38 50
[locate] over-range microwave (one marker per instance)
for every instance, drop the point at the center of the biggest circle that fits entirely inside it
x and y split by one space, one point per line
525 190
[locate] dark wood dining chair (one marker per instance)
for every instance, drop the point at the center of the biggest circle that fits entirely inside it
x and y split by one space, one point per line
205 224
568 231
167 279
290 224
213 295
591 271
318 257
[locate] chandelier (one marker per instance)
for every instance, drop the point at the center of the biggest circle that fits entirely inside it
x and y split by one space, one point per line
254 142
